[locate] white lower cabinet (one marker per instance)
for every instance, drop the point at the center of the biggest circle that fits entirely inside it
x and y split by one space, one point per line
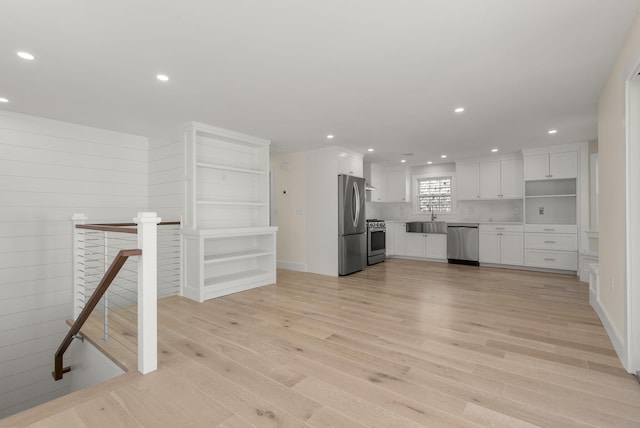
511 249
426 245
396 239
562 260
436 246
501 244
551 246
225 261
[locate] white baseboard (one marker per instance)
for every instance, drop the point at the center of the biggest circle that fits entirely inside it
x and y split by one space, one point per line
614 335
292 266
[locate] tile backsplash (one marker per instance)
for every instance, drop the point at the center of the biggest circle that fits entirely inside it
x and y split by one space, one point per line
504 210
507 210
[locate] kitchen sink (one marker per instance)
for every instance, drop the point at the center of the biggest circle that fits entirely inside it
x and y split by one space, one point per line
427 227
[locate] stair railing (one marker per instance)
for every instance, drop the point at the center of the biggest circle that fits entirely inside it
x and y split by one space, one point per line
106 281
146 224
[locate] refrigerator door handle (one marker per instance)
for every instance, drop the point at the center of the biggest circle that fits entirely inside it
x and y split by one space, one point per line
356 201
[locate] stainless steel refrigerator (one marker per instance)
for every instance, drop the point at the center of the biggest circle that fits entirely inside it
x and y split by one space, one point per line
352 227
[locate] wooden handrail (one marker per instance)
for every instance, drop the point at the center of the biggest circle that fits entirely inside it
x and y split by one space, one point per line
106 281
119 227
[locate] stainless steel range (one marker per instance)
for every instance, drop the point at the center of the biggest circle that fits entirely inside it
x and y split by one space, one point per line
376 241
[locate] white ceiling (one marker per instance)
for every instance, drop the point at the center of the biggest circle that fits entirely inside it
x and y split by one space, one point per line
385 74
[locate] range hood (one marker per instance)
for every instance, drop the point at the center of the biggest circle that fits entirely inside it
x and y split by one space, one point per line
368 186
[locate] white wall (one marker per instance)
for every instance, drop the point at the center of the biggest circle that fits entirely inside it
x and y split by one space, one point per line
612 204
288 175
321 188
166 176
48 171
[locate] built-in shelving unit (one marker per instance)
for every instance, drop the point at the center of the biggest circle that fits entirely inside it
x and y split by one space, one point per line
551 209
228 243
225 261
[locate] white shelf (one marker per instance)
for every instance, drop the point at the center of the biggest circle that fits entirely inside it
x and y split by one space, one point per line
240 255
233 203
228 280
230 168
551 196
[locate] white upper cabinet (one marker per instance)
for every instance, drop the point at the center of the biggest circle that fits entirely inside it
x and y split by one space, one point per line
551 166
350 164
467 177
392 184
490 180
563 165
511 178
397 185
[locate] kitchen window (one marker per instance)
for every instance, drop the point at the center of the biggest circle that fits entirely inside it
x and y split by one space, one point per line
434 194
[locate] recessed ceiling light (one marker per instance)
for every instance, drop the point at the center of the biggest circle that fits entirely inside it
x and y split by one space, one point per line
370 150
443 156
330 137
459 110
494 150
26 55
3 100
553 131
429 163
403 160
162 77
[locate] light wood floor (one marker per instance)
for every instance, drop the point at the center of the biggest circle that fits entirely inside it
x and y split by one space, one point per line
402 344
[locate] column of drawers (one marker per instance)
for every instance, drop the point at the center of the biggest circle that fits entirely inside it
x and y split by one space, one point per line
551 246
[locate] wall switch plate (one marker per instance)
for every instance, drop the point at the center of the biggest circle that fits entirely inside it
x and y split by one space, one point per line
541 210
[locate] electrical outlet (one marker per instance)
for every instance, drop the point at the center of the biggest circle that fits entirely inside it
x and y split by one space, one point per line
516 211
541 210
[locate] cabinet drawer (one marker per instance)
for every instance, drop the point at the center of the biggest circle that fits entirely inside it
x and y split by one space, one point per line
500 228
551 228
565 260
546 241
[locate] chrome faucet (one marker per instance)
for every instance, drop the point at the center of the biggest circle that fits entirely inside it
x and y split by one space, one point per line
433 215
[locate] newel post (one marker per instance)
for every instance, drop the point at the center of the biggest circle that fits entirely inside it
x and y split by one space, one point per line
147 291
78 263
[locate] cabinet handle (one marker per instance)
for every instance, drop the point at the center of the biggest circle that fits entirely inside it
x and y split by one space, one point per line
549 230
499 228
549 242
549 260
499 234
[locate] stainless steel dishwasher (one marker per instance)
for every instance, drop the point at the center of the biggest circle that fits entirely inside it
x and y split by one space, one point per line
463 243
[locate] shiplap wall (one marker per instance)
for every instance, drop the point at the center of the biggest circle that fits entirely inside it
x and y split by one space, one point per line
48 171
166 176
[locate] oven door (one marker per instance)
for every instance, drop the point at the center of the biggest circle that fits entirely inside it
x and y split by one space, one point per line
376 244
